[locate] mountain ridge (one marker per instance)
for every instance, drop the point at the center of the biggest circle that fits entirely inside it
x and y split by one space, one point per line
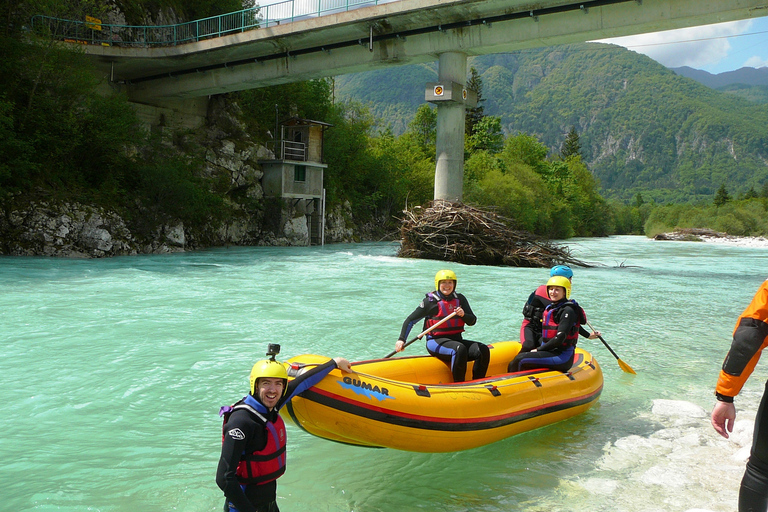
643 128
741 76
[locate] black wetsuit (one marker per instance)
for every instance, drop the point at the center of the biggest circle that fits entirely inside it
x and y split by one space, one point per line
451 348
555 352
530 330
250 434
753 493
533 310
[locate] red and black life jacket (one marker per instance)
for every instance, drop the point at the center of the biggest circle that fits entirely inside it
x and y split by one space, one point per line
552 319
265 465
534 311
445 307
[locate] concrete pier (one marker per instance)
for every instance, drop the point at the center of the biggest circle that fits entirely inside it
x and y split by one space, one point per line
449 170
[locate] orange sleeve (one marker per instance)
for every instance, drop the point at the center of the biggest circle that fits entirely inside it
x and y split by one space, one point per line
750 337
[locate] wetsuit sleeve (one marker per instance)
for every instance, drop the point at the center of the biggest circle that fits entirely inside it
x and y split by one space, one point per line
585 333
424 309
568 319
750 337
469 317
306 380
238 432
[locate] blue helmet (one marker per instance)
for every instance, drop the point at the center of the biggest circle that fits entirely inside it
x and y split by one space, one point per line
561 270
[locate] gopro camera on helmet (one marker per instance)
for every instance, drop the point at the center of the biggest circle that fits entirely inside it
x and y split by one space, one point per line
272 350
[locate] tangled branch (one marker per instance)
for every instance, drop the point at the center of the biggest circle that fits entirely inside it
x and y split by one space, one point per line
465 234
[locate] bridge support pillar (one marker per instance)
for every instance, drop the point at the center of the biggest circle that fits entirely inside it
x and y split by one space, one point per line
449 170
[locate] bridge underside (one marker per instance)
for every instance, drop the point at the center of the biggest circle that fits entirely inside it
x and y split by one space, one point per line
393 34
402 32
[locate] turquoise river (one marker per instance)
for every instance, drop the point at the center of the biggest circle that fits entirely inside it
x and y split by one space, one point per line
113 372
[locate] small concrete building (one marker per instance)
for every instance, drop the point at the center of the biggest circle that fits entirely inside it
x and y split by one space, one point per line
296 173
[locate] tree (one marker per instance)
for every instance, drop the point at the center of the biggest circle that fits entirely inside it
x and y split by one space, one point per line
528 150
750 194
487 136
721 196
474 114
571 146
266 107
424 128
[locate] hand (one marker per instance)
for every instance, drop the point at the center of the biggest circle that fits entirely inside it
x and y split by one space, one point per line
342 364
723 416
459 311
594 334
399 346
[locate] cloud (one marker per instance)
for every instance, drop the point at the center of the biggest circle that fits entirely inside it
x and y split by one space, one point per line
756 62
696 47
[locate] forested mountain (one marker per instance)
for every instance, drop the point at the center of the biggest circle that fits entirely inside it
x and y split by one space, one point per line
643 128
748 83
742 76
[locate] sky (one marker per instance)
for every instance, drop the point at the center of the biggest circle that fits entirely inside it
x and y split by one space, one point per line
714 48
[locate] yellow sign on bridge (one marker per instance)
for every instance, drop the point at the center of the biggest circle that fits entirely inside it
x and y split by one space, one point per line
92 23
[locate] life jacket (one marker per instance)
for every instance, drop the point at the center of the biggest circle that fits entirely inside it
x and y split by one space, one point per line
534 311
445 307
265 465
552 319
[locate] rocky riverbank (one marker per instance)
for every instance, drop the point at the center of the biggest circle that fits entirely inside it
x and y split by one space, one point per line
71 229
711 236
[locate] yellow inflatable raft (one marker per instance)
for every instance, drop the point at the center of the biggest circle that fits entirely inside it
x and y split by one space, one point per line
410 403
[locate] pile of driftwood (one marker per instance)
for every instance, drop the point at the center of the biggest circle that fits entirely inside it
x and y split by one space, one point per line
465 234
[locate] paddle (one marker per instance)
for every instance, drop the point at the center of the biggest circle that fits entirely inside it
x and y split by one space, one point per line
624 366
438 324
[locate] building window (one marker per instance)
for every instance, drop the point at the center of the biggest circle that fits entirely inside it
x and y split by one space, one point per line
300 173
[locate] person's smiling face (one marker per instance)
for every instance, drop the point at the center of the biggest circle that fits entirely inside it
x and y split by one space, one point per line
270 390
447 286
556 293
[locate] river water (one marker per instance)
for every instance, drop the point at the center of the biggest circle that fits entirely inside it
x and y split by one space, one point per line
113 372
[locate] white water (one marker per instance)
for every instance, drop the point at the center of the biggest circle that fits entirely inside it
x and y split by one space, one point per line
112 373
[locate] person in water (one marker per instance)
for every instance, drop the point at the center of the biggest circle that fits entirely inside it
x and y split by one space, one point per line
254 439
533 310
445 342
750 337
561 325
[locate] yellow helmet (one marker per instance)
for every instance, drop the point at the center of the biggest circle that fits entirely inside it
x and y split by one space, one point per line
445 275
561 281
268 368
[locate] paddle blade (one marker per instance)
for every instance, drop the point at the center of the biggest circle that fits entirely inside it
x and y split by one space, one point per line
624 366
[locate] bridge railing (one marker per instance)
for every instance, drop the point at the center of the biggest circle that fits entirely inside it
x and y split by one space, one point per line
90 32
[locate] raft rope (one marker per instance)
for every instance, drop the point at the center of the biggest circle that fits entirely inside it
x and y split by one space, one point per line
479 387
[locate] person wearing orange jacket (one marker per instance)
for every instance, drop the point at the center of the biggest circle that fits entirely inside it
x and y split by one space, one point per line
750 337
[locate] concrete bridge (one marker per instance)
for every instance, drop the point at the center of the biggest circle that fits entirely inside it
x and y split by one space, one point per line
182 77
